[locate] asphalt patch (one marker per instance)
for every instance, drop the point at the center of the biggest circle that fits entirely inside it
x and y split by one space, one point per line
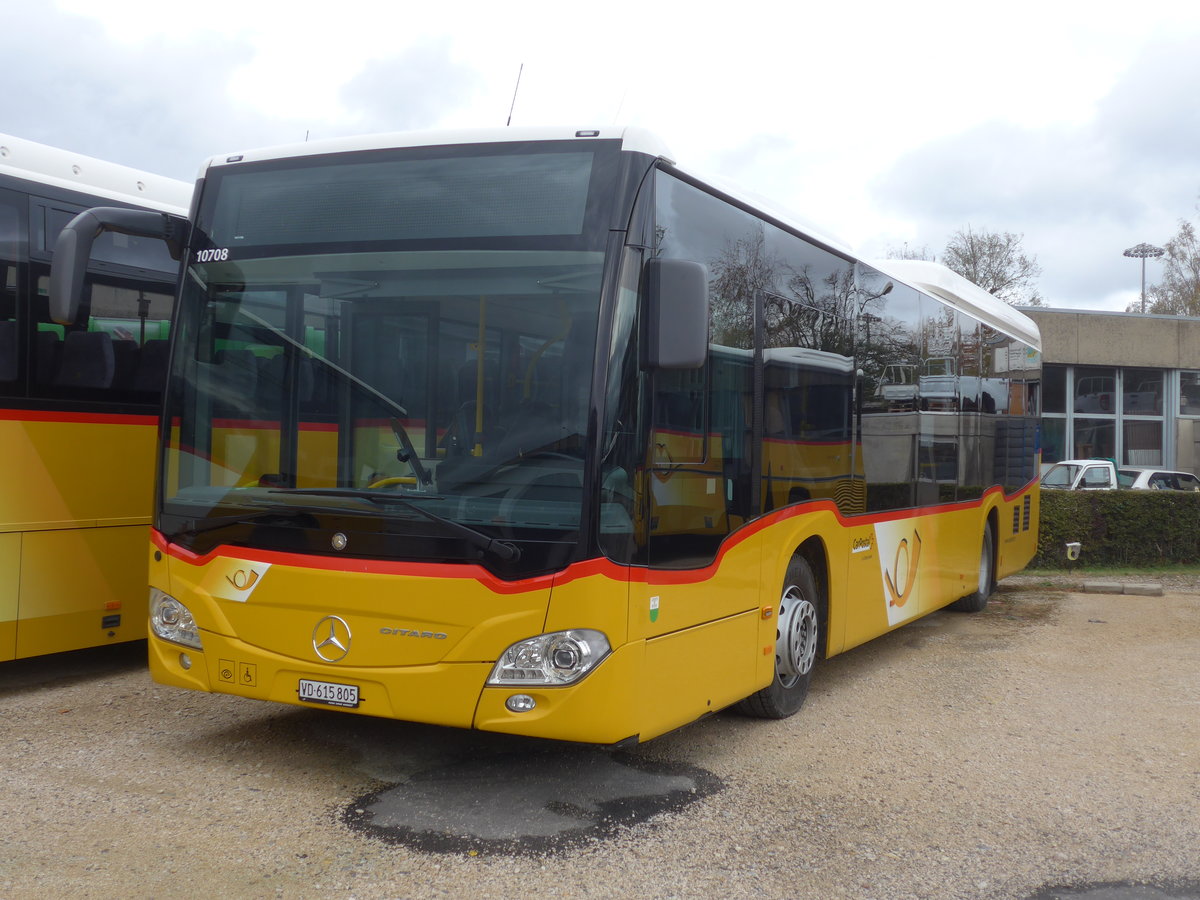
1122 890
519 804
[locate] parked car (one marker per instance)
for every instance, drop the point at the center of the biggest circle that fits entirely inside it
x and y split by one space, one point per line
1148 478
1081 475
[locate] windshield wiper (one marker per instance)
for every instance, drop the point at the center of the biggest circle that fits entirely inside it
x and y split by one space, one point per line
200 526
503 549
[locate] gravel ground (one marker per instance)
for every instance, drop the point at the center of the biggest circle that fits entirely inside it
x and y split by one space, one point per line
1049 740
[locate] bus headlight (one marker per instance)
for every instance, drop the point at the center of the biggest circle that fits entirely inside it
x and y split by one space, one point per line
172 621
562 657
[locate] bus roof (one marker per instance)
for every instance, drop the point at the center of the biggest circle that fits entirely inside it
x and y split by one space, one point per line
946 284
51 166
635 139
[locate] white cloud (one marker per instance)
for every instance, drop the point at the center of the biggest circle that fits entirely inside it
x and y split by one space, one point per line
1080 192
1068 122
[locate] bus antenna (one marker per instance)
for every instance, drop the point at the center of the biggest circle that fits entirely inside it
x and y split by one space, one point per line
514 100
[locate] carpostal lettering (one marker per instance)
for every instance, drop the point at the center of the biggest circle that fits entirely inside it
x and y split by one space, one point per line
861 545
411 632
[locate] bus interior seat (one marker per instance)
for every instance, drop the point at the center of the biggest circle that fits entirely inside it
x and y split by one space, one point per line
8 350
462 435
47 353
125 359
151 369
87 361
544 379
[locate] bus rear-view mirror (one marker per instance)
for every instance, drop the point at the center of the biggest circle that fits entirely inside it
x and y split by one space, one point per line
73 249
675 293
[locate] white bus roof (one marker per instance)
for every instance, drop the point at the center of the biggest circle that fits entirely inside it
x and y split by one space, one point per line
637 139
41 164
946 284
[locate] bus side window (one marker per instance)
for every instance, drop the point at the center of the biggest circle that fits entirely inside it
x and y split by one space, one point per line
10 233
88 361
8 350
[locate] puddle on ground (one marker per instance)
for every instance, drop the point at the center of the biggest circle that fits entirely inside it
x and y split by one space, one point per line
527 803
1124 890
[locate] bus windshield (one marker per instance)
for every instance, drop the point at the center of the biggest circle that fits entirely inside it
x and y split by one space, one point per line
421 369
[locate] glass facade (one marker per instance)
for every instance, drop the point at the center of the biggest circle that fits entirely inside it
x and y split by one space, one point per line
1114 412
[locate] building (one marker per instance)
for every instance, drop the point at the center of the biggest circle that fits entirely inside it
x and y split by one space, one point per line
1120 385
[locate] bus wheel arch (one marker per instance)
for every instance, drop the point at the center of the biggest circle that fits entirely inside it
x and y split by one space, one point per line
801 632
977 600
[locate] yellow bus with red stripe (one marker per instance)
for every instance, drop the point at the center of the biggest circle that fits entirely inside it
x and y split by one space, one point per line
79 404
539 433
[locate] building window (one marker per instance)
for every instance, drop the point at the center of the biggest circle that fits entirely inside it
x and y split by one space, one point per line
1189 393
1142 392
1143 443
1054 389
1095 438
1054 439
1095 390
1116 413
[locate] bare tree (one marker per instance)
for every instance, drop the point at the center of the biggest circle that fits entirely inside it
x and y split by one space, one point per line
797 311
1178 294
906 252
744 267
996 262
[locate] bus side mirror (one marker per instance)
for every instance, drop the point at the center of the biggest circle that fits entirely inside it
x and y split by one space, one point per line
73 249
675 312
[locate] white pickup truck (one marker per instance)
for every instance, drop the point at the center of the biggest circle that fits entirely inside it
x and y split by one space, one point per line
1081 475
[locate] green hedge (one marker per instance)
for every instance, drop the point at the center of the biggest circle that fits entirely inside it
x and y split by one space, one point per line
1138 528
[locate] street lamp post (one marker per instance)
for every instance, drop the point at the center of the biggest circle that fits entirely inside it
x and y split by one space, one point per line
1142 251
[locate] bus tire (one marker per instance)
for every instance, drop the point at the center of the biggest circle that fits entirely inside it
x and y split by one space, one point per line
799 631
973 603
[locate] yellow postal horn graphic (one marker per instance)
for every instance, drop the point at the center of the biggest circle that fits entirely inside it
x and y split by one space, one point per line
900 597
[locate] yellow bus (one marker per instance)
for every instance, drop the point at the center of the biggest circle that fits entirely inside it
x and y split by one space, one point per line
537 432
79 403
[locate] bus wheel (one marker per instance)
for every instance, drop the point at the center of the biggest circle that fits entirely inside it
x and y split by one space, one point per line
798 633
976 602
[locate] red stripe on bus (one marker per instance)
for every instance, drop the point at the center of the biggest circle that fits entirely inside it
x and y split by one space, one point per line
362 566
585 569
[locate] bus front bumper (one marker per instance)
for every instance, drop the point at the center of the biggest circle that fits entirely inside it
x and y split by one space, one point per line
598 709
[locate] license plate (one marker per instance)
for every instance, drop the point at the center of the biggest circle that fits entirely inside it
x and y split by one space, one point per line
328 693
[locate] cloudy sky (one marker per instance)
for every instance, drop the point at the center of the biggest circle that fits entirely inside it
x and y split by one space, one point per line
1073 124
